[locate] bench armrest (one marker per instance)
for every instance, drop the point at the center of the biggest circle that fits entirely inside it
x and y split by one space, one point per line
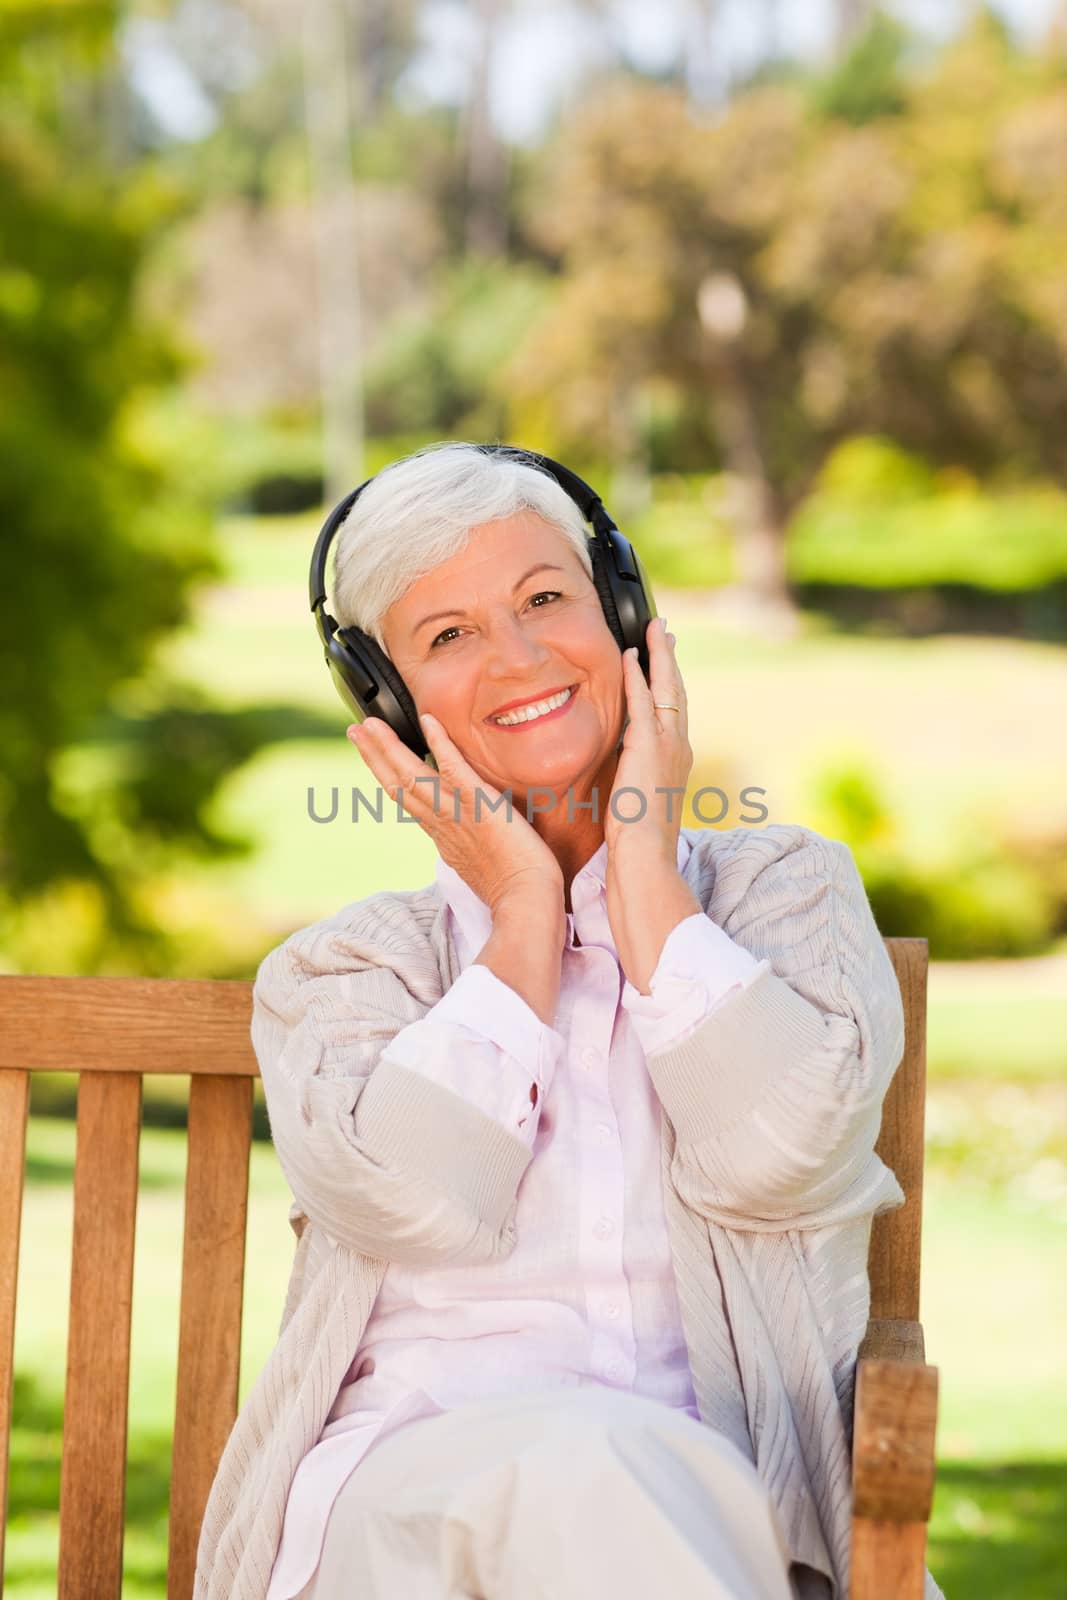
892 1462
894 1426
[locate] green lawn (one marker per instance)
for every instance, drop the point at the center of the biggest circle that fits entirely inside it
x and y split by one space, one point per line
1004 1019
994 1309
994 1305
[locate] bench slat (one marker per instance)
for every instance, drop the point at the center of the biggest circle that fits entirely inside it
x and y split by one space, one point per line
93 1477
173 1025
14 1105
209 1347
896 1236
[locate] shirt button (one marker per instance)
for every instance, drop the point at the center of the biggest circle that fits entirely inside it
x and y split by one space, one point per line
602 1133
613 1369
604 1228
611 1311
590 1057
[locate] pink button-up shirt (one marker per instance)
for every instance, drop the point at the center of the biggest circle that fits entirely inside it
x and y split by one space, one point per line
587 1296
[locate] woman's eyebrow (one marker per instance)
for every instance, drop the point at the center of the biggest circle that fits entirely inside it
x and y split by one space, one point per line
438 616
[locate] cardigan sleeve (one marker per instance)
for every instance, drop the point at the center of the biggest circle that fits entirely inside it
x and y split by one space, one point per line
485 1043
381 1158
698 967
776 1098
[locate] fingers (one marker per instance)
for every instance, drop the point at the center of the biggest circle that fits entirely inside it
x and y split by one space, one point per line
426 795
677 694
665 682
638 693
395 766
450 761
663 672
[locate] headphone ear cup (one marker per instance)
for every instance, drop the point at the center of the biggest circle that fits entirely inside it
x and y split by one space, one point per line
393 702
603 588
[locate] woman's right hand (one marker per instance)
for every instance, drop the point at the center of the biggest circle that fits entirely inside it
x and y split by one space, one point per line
498 854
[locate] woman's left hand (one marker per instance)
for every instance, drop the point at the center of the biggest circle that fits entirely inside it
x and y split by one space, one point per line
656 755
646 894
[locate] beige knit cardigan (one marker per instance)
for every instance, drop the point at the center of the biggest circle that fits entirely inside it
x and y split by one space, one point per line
770 1179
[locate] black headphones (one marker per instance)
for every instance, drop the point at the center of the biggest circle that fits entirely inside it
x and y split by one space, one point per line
367 680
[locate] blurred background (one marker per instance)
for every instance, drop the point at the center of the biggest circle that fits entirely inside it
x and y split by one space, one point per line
788 284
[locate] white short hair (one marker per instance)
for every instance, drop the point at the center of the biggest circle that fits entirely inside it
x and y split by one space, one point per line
421 511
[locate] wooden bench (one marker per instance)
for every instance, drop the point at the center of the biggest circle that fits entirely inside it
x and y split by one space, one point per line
114 1030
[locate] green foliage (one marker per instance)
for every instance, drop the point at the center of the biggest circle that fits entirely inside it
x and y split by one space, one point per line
437 372
876 471
868 80
980 899
979 904
236 465
257 148
899 269
683 534
855 809
103 543
881 517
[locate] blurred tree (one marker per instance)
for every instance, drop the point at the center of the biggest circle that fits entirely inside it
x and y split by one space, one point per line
245 290
335 234
245 59
322 205
486 158
386 41
868 80
815 278
851 17
707 79
436 370
101 540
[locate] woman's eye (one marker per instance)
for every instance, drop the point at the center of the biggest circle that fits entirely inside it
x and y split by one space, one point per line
542 594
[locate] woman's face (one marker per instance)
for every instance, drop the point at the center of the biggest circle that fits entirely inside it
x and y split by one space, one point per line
513 619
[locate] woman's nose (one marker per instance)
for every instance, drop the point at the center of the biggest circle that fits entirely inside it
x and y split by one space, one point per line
512 649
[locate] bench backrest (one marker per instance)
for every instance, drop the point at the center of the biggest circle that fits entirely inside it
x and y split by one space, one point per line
112 1031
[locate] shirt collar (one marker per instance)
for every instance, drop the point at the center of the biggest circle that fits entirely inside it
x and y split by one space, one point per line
471 918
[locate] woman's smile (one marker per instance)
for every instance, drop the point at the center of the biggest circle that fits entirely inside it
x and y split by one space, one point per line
526 712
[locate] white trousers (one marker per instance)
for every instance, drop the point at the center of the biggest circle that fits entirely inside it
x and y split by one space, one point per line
553 1496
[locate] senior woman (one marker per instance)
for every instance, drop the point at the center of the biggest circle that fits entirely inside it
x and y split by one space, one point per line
581 1136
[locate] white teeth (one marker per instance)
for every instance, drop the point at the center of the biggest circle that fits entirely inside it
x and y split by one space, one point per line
528 713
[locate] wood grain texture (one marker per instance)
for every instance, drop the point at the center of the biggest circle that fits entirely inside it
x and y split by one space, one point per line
93 1477
894 1341
896 1237
127 1025
888 1560
209 1347
14 1104
893 1441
